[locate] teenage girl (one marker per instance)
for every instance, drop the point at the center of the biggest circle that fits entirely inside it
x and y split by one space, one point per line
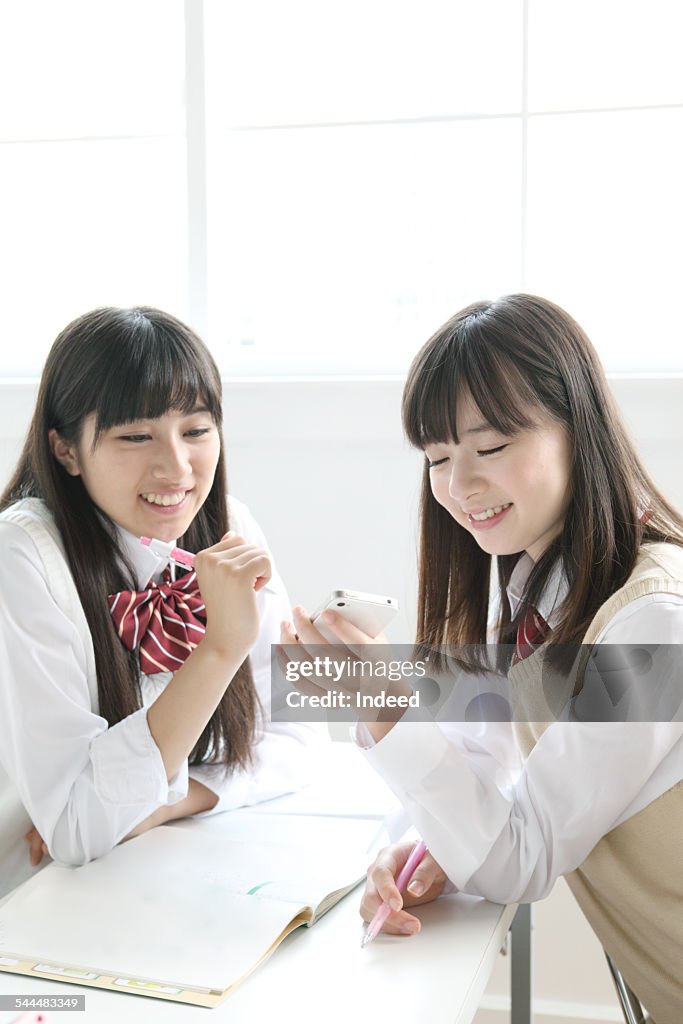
527 463
117 712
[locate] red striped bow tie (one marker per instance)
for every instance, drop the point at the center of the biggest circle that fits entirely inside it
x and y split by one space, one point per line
166 621
532 631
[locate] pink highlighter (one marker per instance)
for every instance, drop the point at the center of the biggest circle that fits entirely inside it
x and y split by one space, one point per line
165 549
383 911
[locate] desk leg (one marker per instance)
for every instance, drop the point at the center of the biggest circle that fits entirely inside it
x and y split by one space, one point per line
520 966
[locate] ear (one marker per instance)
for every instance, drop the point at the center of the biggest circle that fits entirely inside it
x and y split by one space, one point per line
64 452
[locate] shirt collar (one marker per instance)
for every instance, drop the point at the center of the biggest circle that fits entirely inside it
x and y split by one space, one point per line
552 597
145 564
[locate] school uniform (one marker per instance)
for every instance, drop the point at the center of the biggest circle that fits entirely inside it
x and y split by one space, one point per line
83 784
507 808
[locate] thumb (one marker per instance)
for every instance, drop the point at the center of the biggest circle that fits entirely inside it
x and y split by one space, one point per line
424 877
417 887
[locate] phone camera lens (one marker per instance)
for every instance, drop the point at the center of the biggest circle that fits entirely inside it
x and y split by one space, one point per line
341 604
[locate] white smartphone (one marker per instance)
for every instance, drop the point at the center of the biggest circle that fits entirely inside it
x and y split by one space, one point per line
369 612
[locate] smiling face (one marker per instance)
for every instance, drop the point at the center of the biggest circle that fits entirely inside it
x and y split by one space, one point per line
523 479
149 476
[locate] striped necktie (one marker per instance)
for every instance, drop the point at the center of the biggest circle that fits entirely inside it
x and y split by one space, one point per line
166 621
532 631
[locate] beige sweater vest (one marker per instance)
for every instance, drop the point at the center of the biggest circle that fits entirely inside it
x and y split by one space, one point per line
630 887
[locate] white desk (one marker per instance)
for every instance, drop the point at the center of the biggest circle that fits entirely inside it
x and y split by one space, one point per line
321 973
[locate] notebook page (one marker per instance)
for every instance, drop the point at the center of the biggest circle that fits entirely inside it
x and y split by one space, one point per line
171 905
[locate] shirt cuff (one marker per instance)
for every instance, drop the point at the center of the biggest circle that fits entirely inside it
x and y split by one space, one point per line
128 768
427 747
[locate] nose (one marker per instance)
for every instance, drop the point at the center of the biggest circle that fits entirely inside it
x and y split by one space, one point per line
172 463
464 481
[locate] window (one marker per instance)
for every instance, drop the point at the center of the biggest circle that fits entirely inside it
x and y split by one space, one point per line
357 172
93 165
378 165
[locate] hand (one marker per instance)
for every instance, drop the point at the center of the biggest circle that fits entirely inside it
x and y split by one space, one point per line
36 846
354 645
229 574
426 885
349 635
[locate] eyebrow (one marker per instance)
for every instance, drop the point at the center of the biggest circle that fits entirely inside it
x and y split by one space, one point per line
148 419
480 428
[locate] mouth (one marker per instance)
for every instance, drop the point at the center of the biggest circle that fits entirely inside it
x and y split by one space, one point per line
487 518
164 504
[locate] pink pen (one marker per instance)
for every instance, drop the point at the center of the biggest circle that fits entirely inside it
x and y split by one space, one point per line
405 874
165 549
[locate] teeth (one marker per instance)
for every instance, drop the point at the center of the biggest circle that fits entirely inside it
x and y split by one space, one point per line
480 516
164 499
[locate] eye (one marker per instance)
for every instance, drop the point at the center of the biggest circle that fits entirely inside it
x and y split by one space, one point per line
198 432
492 451
432 463
135 438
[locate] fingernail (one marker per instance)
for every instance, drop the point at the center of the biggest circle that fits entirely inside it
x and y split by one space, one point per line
409 929
416 887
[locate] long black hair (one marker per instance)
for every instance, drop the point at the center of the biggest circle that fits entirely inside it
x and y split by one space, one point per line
514 356
125 365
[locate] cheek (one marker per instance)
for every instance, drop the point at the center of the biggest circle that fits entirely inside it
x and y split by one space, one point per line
207 460
439 485
544 476
440 491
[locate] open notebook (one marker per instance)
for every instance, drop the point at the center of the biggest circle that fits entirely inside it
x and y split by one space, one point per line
179 913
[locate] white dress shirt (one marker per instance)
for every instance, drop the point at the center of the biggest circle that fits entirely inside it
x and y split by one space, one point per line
504 828
82 784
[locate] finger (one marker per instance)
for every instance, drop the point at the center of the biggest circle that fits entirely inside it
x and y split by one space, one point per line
384 880
306 630
387 866
252 562
398 922
345 630
35 851
228 540
287 633
238 554
288 658
307 636
261 568
249 556
425 875
36 846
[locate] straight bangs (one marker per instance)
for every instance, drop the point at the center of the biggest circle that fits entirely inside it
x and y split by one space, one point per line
160 369
125 365
461 360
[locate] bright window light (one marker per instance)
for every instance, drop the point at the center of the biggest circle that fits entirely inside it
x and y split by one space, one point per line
370 168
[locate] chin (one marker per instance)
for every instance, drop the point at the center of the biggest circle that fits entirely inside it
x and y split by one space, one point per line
498 547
